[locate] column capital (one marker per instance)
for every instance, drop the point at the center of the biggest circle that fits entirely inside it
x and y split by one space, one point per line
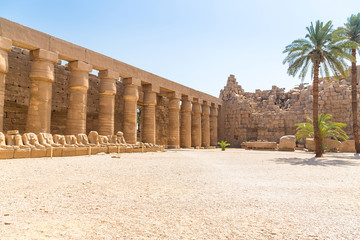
80 66
196 108
185 98
131 92
214 111
175 95
108 74
149 98
131 81
42 68
108 82
205 109
185 105
174 104
151 88
43 55
195 100
5 44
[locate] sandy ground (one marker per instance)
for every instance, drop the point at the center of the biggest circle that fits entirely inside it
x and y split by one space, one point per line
185 194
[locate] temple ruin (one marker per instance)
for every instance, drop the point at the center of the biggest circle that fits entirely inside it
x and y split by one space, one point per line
268 115
47 86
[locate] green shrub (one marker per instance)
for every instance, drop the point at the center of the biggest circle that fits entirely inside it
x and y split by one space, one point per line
223 145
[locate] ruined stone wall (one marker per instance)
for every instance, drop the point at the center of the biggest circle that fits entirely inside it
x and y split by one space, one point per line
268 115
17 90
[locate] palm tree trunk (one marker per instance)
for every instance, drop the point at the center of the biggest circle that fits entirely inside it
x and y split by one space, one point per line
317 140
354 102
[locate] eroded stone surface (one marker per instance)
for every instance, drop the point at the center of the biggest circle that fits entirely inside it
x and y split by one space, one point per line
270 114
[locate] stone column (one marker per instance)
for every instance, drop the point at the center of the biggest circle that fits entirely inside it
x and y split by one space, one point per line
205 125
107 101
5 46
149 121
196 125
185 132
213 125
174 122
79 84
42 78
131 96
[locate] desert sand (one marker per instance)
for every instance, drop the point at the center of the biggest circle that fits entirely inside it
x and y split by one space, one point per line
182 194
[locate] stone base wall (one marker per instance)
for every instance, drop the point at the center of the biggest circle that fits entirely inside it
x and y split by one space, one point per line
268 115
17 97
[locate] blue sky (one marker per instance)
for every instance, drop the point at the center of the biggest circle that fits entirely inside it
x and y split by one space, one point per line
197 43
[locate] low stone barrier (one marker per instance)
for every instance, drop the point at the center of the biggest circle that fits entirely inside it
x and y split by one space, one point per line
332 145
261 145
348 146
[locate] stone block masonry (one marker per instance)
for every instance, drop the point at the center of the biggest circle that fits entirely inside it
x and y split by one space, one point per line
270 114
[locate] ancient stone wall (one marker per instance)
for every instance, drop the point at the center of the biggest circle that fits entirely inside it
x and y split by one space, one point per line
268 115
17 97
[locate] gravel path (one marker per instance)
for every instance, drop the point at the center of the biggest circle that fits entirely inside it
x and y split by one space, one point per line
185 194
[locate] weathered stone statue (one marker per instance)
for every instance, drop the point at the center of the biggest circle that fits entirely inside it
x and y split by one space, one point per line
120 138
31 140
47 140
3 142
82 139
13 138
94 138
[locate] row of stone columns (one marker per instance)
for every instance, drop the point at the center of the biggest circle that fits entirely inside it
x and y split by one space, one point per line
198 126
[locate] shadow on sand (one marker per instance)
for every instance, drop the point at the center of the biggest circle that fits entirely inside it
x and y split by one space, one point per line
328 160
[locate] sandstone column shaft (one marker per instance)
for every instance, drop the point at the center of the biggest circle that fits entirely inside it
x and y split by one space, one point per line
149 120
5 46
196 125
174 123
205 126
131 97
79 84
107 101
213 126
42 78
185 132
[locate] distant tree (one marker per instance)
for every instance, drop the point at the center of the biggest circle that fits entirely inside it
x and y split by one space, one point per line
351 32
327 129
323 52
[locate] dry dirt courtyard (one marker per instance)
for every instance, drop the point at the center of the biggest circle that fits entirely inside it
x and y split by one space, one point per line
182 194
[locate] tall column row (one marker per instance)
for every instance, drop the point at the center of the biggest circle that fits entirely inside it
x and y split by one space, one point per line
192 122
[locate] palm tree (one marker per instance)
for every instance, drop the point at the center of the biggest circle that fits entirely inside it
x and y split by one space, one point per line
351 32
324 53
327 129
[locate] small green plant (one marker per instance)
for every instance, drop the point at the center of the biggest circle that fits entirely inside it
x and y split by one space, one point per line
223 145
327 129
